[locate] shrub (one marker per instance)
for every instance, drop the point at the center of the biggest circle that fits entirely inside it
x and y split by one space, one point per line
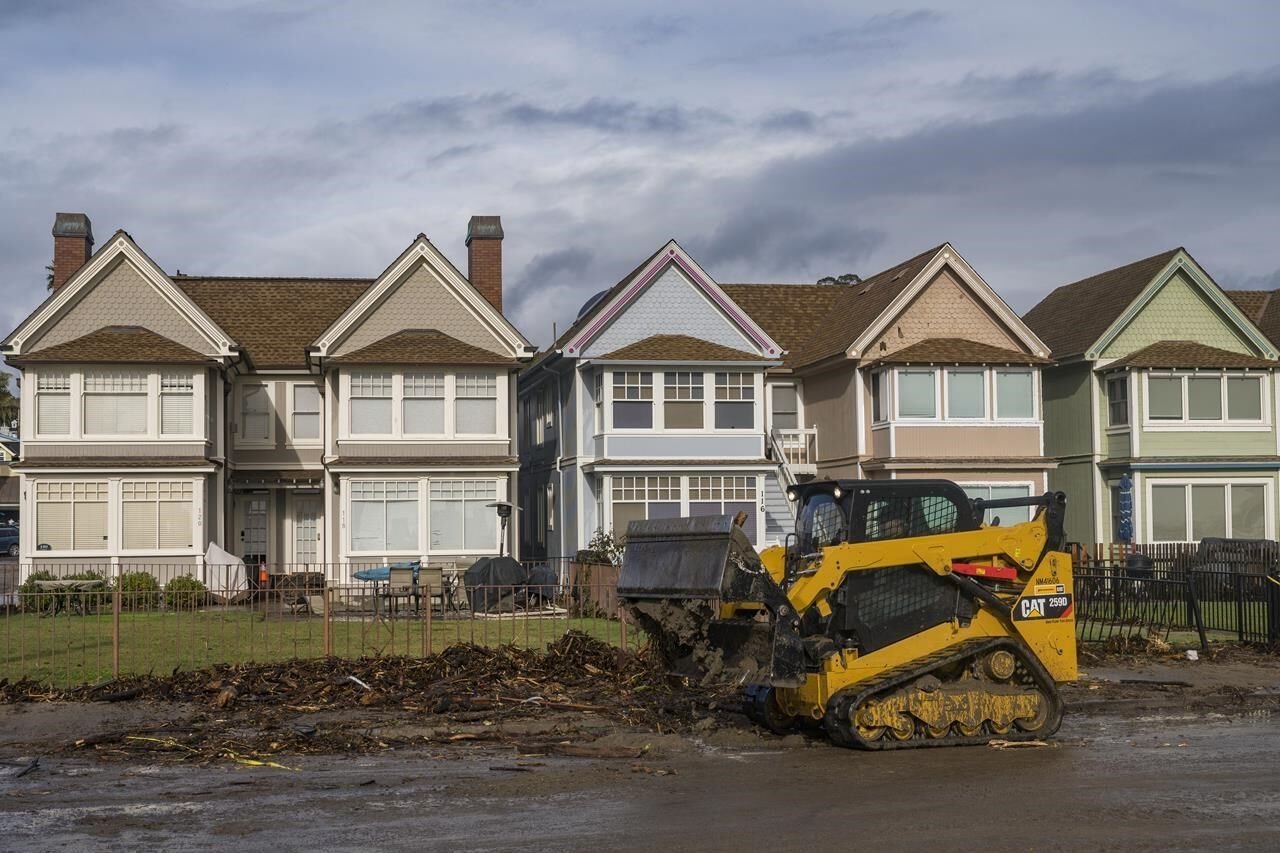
185 593
139 591
32 600
91 601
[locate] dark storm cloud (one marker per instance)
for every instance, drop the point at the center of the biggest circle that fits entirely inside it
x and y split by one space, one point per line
781 238
612 116
554 267
790 121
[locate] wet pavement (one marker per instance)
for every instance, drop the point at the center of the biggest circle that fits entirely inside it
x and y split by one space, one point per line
1172 781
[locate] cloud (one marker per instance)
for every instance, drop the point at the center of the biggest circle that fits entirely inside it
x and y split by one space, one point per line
777 238
612 116
790 121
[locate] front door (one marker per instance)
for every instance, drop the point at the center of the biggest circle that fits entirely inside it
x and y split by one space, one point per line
307 512
253 522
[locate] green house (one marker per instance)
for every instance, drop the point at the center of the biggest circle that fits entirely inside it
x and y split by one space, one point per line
1162 396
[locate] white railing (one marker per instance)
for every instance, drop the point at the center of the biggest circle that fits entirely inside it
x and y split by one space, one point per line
797 448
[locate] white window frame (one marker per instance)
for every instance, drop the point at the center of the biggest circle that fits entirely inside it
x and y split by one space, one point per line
291 439
598 387
179 376
350 501
398 402
1030 486
654 400
35 485
1148 519
936 417
988 400
62 383
994 373
500 486
1224 424
941 386
451 410
1123 380
879 385
150 403
502 417
193 548
270 440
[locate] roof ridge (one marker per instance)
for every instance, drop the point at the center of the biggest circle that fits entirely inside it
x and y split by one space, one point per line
276 278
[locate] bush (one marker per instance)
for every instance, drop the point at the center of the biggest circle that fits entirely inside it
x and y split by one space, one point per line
33 600
139 591
185 593
30 600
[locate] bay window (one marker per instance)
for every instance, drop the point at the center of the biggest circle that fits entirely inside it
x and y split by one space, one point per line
735 400
115 403
384 515
177 404
476 406
879 397
597 386
682 400
461 518
71 515
916 394
1205 398
156 514
1015 394
725 495
53 403
632 399
371 404
424 396
966 393
304 420
1191 511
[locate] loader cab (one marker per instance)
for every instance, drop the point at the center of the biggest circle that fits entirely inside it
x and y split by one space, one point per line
835 511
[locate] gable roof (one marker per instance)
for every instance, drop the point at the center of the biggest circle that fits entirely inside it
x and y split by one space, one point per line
273 320
127 344
601 299
1178 354
1074 316
422 346
957 351
678 348
423 251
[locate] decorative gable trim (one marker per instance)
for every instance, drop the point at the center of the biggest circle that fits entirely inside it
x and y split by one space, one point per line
672 255
421 250
1201 280
120 247
947 256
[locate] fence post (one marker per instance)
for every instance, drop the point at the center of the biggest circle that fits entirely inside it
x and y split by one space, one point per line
1193 604
1273 606
115 628
426 629
1239 584
328 635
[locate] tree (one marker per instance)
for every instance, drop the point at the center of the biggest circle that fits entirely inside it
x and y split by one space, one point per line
8 402
848 278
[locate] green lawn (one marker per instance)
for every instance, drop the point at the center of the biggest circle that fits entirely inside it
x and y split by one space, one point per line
67 649
1223 616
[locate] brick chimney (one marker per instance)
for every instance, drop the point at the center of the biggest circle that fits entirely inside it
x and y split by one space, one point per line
72 246
484 257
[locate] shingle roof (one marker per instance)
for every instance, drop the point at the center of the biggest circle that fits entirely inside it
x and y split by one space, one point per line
127 344
1174 354
422 346
1262 308
1071 318
678 348
581 322
274 320
957 351
817 322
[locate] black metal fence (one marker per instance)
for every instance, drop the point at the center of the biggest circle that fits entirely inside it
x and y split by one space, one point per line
1215 589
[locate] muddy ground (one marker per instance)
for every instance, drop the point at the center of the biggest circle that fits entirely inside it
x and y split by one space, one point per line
1156 753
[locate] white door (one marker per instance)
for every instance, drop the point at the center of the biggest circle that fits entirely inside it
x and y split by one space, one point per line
253 516
307 511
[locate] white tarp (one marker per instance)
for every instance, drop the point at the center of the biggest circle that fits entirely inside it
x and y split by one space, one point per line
224 572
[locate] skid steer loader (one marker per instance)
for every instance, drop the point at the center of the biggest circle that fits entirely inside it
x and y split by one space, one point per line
892 617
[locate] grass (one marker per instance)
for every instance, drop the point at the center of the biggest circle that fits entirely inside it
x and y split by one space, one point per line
68 649
1218 616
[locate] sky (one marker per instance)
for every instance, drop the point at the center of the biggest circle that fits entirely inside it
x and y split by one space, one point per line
777 142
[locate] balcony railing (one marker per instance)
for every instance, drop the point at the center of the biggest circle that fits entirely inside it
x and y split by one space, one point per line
798 449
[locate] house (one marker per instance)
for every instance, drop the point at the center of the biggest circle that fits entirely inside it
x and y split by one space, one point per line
302 423
9 481
1160 406
651 405
918 371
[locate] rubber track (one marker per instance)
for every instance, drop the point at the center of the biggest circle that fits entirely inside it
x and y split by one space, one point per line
839 725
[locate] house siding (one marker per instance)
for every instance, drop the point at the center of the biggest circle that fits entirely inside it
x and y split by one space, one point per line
1075 480
670 304
944 309
421 301
122 297
1208 443
966 441
122 449
442 449
1179 311
830 404
1067 409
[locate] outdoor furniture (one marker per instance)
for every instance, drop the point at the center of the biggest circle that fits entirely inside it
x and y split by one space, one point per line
71 595
402 586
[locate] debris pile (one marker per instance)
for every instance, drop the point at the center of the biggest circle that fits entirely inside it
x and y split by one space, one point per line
464 694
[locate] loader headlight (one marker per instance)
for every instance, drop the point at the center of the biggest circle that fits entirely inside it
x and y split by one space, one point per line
791 494
837 493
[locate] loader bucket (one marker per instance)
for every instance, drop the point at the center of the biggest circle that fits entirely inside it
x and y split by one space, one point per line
676 574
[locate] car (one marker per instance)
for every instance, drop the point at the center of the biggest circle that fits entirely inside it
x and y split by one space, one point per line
9 539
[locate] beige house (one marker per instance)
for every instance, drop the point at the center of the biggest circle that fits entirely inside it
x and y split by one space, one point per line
919 371
318 424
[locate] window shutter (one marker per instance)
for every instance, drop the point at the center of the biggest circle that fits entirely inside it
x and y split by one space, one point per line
53 414
139 524
53 525
175 414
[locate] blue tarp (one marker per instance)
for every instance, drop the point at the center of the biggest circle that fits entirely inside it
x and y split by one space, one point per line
383 573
